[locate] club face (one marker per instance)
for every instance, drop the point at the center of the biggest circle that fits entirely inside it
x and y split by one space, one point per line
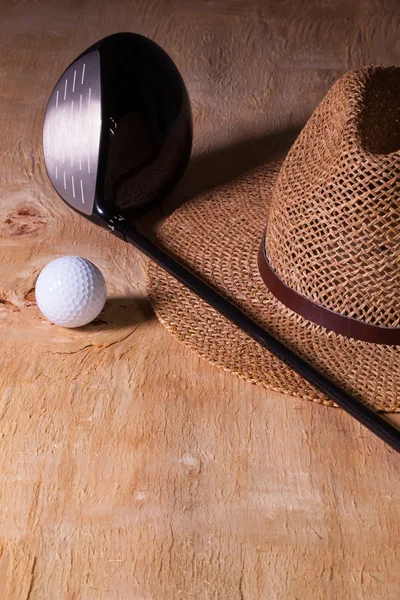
118 128
72 130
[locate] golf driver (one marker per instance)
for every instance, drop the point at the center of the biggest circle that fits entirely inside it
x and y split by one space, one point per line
117 139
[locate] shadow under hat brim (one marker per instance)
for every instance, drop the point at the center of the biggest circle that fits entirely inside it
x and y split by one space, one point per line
217 235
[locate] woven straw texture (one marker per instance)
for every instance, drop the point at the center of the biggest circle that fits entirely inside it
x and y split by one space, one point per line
333 233
217 235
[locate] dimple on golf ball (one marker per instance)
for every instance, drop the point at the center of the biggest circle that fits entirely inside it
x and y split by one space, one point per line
71 291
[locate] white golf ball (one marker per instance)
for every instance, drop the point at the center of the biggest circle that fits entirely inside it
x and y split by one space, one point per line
71 291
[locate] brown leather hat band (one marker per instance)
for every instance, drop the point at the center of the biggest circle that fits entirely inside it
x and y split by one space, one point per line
316 313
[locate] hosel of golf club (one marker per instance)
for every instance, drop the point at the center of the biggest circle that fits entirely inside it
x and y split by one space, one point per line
357 409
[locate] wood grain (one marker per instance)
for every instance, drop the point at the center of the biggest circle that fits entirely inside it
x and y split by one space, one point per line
130 468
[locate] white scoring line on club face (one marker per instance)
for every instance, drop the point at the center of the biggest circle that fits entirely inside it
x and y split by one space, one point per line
80 117
57 98
73 185
83 197
65 182
65 89
72 114
73 83
89 98
63 125
83 73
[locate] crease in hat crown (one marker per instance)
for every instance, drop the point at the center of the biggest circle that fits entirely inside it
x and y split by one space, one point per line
333 232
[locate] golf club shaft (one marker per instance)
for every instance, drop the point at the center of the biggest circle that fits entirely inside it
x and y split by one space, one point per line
357 409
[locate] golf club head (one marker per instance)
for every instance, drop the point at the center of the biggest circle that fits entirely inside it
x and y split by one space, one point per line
118 129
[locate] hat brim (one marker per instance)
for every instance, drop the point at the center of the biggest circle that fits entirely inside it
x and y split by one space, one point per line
217 235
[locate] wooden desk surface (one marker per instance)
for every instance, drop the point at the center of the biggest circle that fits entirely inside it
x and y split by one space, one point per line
130 468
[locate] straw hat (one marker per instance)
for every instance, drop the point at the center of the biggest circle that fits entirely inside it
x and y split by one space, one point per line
309 248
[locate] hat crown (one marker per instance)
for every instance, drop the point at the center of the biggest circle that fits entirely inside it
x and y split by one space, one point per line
334 227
